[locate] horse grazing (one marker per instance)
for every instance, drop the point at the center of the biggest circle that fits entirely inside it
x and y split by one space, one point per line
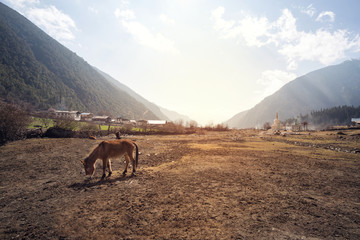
111 149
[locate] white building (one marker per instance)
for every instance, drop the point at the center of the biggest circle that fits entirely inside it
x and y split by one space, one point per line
156 122
72 115
355 121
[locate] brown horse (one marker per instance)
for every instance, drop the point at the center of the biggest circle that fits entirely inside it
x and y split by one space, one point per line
112 149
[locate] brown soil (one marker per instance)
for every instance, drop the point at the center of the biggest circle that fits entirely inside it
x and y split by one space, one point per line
228 185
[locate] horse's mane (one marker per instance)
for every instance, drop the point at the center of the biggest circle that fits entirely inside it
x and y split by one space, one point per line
95 153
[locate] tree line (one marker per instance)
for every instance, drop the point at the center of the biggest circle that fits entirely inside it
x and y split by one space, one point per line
335 116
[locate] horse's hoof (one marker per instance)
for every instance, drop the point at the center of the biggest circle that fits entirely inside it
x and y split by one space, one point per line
109 174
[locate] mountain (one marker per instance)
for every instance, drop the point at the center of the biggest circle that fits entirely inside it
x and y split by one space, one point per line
328 87
151 106
174 116
36 69
160 112
234 121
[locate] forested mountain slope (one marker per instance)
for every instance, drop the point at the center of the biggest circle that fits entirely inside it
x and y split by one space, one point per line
36 69
328 87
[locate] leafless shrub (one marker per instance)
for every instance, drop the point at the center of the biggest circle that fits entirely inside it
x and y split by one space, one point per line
221 127
174 128
217 127
128 127
13 122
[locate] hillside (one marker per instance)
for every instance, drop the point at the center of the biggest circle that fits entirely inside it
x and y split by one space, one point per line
36 69
324 88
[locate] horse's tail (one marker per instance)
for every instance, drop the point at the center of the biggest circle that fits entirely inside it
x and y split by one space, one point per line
137 154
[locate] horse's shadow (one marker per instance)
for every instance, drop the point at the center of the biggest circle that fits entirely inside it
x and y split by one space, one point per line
89 183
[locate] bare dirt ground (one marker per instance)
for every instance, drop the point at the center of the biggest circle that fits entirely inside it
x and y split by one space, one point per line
228 185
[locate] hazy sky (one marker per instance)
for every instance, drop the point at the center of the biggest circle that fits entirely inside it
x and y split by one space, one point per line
208 59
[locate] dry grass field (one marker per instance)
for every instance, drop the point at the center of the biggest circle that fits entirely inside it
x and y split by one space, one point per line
242 184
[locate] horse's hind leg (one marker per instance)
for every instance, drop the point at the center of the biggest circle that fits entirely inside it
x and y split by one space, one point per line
127 164
133 164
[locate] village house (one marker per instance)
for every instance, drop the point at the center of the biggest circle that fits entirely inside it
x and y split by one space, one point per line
75 115
101 119
71 115
125 121
142 122
118 120
87 116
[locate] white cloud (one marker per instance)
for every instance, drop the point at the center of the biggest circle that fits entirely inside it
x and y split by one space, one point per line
54 22
142 34
309 10
324 46
255 31
226 28
125 15
326 17
273 80
284 29
165 19
93 10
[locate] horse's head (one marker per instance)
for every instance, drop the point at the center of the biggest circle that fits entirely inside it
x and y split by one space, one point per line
89 168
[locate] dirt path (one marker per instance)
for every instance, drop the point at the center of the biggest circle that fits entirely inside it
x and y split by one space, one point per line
231 185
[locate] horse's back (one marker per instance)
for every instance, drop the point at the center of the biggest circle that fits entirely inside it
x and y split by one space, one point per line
116 148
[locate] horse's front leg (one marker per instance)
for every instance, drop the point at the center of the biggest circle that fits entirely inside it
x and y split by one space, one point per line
109 166
105 163
127 164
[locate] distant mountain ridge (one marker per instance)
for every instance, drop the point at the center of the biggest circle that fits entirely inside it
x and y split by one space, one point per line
175 116
160 112
35 68
331 86
154 108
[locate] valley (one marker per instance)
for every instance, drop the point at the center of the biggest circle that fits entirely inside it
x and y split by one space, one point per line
239 184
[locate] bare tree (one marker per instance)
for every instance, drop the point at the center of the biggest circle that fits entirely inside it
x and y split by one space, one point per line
267 126
305 124
192 124
46 122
